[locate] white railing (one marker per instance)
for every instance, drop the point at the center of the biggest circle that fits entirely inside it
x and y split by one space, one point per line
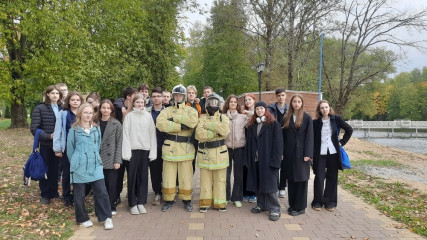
388 124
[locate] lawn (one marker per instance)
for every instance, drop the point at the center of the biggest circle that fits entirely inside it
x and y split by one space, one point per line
21 214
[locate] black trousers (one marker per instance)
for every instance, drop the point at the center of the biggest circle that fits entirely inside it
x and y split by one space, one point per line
102 202
282 181
49 186
120 177
235 157
297 193
245 178
267 201
138 178
156 170
110 176
327 168
66 185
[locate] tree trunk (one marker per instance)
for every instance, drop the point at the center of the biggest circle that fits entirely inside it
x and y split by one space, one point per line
18 115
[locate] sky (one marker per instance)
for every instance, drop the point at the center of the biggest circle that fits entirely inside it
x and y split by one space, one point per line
415 58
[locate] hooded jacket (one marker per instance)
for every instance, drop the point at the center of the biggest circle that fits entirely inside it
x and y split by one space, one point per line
83 153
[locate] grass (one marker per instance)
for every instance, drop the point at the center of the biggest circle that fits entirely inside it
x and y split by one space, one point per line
4 123
377 163
21 214
396 200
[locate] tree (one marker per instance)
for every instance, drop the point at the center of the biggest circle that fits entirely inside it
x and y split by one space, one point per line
367 24
225 65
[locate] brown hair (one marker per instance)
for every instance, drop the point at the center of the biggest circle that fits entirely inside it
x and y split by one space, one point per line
68 98
227 104
79 115
319 114
269 118
50 89
291 111
99 114
137 96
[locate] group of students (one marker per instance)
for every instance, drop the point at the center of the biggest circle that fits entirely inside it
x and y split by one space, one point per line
266 147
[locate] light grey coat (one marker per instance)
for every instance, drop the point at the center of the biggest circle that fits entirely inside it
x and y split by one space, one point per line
111 145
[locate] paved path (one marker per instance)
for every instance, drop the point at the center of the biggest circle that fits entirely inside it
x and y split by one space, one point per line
353 219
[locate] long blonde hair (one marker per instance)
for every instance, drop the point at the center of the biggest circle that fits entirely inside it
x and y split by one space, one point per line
79 115
291 111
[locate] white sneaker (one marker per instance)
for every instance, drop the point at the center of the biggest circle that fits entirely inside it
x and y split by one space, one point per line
113 213
141 208
238 204
87 224
134 210
282 193
108 224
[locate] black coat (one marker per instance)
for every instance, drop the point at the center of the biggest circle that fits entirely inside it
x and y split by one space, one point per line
317 128
298 143
44 118
269 144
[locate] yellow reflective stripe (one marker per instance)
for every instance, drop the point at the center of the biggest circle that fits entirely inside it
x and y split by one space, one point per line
212 166
182 157
211 135
185 192
171 126
182 118
212 126
169 190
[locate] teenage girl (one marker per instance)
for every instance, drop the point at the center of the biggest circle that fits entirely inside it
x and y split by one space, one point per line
44 118
297 154
83 144
62 126
139 147
327 158
248 110
111 148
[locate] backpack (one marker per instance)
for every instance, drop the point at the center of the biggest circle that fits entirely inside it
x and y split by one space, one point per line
35 168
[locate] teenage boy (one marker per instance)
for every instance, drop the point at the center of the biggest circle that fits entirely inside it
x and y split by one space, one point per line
156 166
143 89
278 109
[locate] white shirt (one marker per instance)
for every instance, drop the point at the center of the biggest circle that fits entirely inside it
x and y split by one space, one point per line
327 138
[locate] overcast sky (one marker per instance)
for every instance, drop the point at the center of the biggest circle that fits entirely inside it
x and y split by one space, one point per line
415 58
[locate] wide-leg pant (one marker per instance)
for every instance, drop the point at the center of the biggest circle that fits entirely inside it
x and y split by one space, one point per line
212 188
102 202
66 185
184 169
138 178
327 168
49 186
236 157
110 176
297 193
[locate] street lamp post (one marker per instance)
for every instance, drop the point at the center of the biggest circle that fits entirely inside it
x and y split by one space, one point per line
260 69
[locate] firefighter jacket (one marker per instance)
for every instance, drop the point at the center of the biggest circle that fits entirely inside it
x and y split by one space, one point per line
177 146
211 132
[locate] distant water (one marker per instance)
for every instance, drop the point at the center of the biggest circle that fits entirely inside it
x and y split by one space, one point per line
416 145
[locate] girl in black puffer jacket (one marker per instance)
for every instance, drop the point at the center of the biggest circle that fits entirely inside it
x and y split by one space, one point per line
44 117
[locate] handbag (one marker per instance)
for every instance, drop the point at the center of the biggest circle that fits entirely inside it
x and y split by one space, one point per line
344 156
35 168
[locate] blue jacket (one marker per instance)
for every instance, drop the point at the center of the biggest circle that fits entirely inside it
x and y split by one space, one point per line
61 130
83 153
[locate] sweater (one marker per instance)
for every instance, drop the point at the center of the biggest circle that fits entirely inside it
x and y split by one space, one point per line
139 133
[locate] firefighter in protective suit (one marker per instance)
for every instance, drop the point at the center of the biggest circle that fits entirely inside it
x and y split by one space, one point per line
178 121
212 156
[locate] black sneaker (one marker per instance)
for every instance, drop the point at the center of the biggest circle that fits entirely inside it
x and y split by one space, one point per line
188 207
297 212
203 209
222 210
45 201
68 203
274 216
256 209
168 205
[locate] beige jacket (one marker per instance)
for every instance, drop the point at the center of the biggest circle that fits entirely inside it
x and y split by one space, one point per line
139 133
236 138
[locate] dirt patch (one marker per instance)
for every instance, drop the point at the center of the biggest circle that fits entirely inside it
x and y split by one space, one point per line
412 172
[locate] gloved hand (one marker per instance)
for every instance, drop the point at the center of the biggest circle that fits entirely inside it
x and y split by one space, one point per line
170 119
